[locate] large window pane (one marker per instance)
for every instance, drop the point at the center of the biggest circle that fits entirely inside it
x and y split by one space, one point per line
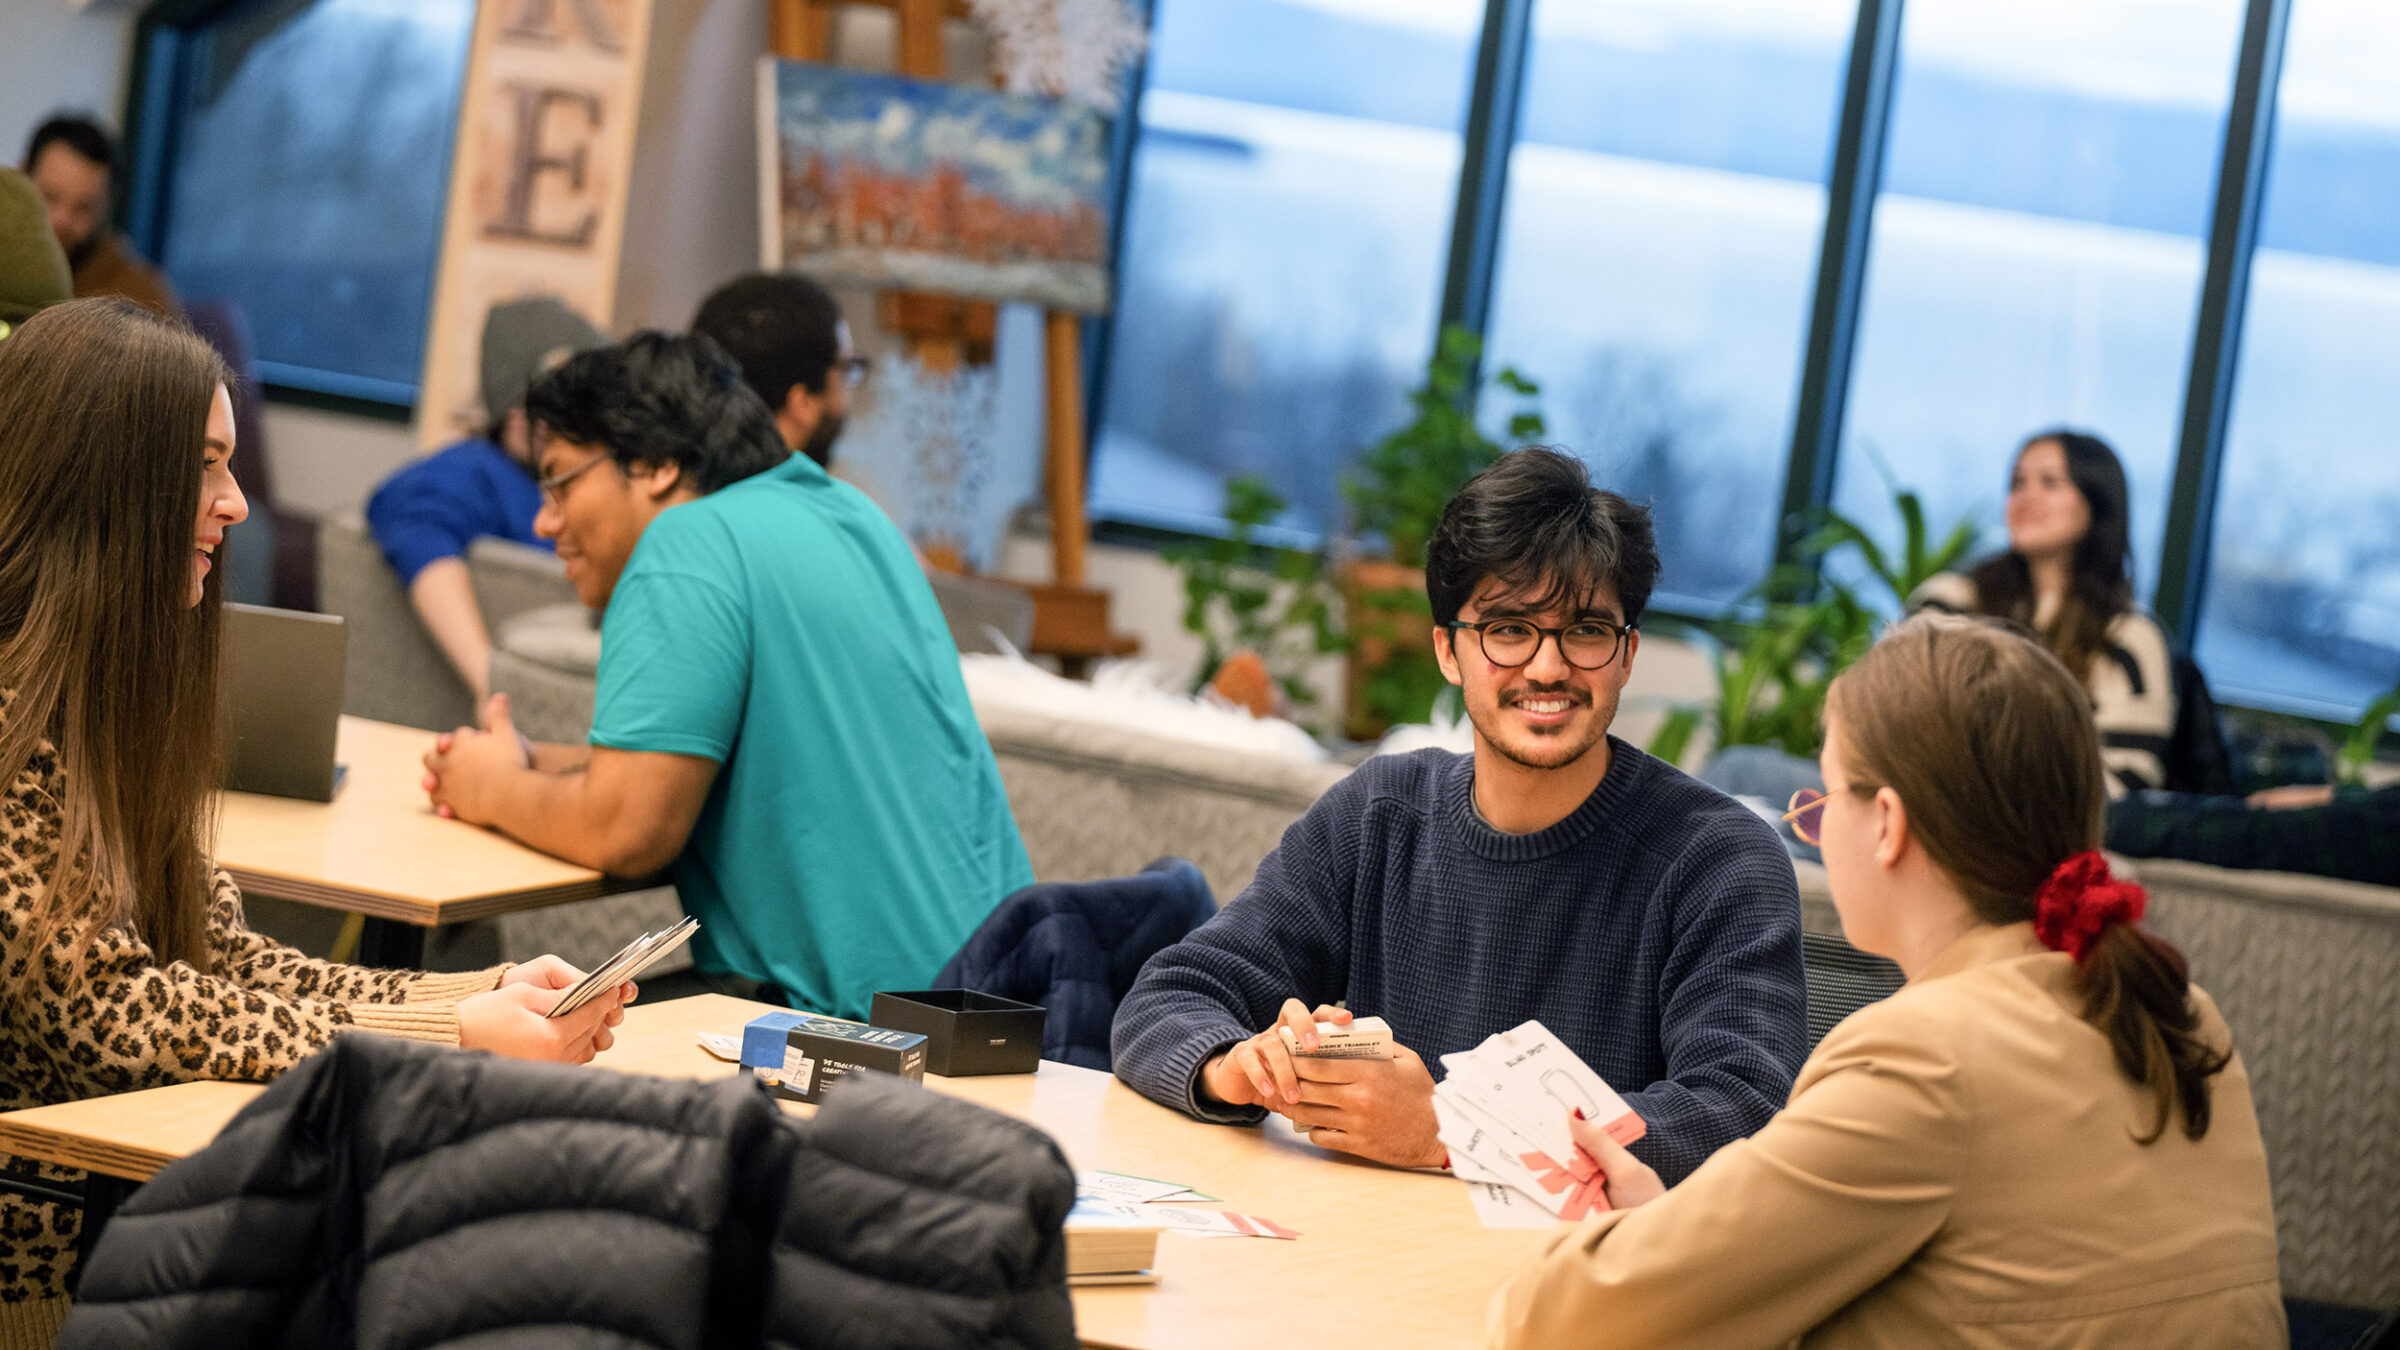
1665 204
312 162
1284 239
2304 589
2037 248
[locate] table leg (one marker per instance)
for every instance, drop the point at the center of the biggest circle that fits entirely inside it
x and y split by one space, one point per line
101 1196
389 944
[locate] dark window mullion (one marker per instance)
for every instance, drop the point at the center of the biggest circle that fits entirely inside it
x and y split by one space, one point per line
2217 337
1857 174
1491 132
1124 137
151 129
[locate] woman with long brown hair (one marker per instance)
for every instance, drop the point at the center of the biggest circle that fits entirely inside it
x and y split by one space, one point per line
124 959
2044 1139
2067 575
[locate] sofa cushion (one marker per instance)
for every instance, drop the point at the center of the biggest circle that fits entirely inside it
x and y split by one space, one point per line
560 636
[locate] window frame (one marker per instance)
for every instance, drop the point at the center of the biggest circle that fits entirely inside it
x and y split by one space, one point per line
1853 183
151 146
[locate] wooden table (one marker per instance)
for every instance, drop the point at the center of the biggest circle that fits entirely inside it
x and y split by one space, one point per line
377 849
1386 1259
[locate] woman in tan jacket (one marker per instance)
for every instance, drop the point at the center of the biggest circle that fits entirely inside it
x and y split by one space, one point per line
2045 1139
127 965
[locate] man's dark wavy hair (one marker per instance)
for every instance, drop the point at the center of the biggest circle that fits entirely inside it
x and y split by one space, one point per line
780 326
662 398
79 132
1535 522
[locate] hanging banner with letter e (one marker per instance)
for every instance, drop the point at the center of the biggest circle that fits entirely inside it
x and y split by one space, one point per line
537 182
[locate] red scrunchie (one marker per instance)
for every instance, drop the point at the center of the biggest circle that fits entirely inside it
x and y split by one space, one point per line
2079 900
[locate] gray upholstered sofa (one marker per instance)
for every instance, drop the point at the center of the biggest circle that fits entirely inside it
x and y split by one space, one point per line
2307 971
1091 799
395 673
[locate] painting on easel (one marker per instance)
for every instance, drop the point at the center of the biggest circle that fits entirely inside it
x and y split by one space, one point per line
881 180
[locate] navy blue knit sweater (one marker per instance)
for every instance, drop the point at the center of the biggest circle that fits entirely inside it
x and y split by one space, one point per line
1656 930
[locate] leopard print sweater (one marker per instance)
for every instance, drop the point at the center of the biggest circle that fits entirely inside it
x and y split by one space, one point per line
131 1023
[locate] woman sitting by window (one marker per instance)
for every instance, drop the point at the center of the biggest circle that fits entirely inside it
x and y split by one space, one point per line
2044 1139
2066 576
124 959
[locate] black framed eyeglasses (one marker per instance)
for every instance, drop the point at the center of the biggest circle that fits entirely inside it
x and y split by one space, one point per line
554 488
1588 644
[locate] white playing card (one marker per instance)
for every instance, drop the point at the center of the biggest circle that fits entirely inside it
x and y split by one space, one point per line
616 970
1503 1111
1506 1207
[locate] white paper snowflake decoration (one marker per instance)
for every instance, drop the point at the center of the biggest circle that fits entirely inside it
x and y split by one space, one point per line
1075 49
940 428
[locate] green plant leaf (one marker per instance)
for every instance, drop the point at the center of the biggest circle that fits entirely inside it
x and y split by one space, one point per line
1674 736
2350 766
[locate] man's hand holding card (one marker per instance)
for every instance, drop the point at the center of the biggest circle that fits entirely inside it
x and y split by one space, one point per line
1341 1078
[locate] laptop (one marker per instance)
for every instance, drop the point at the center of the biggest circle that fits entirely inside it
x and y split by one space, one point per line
282 701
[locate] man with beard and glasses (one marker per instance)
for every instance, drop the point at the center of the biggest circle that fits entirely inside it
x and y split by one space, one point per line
787 334
1555 873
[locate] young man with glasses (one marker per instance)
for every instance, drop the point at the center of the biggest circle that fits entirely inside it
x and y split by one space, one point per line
780 714
1555 873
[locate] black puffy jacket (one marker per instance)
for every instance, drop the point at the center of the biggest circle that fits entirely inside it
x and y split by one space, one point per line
393 1195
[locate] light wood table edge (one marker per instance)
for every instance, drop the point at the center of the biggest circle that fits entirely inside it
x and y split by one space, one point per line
426 913
177 1120
109 1160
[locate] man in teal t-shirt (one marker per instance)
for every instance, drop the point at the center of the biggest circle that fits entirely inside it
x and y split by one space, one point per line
780 711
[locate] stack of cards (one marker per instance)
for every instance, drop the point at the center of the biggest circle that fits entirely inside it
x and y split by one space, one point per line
1504 1107
1112 1233
636 958
1358 1038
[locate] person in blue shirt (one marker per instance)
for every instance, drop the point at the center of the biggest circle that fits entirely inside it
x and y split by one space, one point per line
424 516
780 713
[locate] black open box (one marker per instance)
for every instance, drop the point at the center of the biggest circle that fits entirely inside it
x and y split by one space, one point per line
966 1033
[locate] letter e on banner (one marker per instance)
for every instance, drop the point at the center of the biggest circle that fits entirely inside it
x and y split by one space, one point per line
538 186
546 152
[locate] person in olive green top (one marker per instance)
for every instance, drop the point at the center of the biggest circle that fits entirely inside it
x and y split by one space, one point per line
780 713
33 273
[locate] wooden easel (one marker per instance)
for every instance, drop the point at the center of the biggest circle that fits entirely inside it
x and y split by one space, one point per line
1070 619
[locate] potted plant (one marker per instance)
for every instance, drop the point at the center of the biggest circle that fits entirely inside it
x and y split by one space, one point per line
1396 495
1795 631
1248 603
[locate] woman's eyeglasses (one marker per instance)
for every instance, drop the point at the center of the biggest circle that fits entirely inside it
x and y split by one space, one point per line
1808 811
1807 815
